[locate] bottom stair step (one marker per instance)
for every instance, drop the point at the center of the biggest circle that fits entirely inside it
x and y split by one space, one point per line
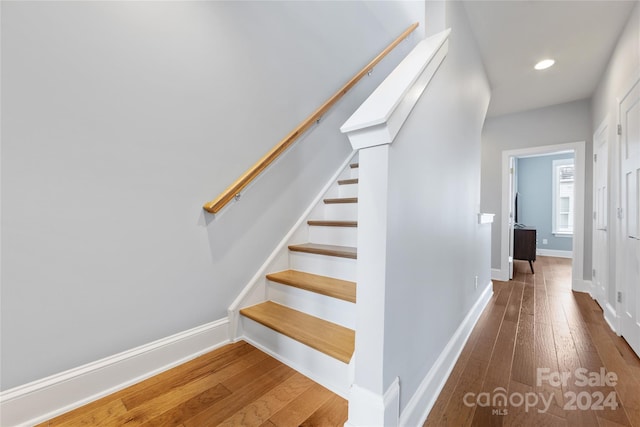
329 338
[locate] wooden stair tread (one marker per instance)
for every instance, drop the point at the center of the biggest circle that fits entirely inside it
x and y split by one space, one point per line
329 286
354 165
326 223
348 181
329 338
342 200
331 250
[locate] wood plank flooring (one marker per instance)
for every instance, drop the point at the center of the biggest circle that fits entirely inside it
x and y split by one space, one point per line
531 322
231 386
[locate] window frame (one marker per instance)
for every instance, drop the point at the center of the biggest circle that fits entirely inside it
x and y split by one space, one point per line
555 198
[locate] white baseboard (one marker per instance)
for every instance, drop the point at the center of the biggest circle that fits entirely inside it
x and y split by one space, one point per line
420 404
46 398
374 409
497 274
610 317
554 252
581 285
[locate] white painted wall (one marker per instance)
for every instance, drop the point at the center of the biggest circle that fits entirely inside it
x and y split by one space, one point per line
558 124
435 244
623 66
120 119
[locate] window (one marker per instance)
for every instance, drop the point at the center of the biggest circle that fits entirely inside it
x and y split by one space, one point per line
563 183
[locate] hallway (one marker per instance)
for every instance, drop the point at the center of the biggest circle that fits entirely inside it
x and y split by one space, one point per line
533 322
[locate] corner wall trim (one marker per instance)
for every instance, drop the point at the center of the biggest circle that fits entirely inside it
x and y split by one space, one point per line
497 274
375 409
582 286
49 397
611 317
420 404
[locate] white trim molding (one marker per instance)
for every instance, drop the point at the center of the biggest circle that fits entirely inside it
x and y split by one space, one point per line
585 286
500 275
371 130
375 407
611 317
46 398
420 404
379 119
579 193
554 252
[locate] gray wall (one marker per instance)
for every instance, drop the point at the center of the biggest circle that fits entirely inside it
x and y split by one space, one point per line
558 124
120 119
535 195
436 246
623 66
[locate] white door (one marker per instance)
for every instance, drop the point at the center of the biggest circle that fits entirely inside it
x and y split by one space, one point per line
600 214
629 300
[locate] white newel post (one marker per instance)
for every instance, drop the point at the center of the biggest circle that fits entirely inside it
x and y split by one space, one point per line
371 130
367 406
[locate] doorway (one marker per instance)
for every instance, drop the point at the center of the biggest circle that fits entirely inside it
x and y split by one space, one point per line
575 217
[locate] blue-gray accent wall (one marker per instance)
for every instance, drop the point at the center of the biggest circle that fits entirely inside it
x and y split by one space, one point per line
535 181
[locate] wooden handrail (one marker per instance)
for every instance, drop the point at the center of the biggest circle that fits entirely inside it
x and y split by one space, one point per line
234 189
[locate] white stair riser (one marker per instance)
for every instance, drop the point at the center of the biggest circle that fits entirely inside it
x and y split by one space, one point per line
328 308
323 369
353 173
348 190
340 268
341 211
341 236
334 191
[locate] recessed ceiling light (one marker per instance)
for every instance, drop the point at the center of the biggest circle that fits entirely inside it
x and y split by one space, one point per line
544 64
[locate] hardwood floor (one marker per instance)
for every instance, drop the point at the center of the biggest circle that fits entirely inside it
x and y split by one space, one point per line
231 386
531 322
536 322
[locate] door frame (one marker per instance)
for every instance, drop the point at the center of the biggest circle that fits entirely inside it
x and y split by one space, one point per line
579 147
617 173
607 307
511 220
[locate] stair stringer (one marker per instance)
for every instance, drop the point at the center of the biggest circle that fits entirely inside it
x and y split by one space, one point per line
255 291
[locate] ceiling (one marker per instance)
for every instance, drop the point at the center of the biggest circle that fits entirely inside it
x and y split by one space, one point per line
514 35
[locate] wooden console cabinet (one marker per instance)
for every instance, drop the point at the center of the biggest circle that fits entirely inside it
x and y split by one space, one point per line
524 245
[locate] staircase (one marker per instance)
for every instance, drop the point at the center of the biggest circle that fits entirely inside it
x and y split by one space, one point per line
308 318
